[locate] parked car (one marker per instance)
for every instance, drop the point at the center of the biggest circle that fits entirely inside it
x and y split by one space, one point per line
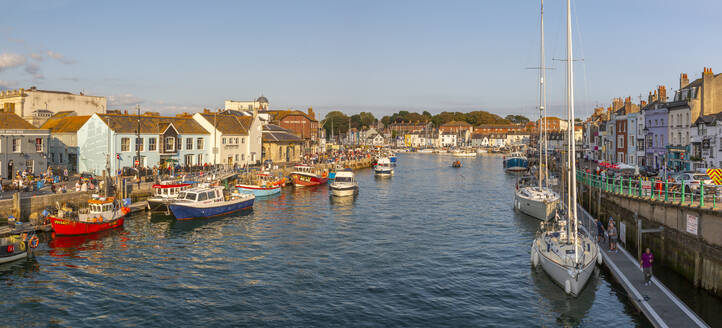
693 180
647 171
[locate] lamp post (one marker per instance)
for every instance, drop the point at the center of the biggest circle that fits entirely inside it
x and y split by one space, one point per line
137 144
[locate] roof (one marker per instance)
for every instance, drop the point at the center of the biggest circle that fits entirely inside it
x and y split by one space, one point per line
230 124
456 123
499 126
262 100
151 124
11 121
61 123
281 114
275 133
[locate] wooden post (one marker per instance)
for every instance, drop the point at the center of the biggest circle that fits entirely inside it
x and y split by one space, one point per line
639 236
17 209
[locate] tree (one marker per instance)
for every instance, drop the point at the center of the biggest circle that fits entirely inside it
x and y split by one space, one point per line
518 119
336 120
367 119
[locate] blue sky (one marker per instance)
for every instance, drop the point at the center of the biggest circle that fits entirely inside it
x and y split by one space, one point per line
378 56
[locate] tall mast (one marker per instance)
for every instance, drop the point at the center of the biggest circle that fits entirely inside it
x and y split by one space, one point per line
542 95
572 147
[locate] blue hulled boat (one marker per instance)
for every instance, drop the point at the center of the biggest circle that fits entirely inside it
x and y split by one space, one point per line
206 202
516 162
392 159
266 185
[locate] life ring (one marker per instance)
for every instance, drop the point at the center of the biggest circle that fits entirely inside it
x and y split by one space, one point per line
34 241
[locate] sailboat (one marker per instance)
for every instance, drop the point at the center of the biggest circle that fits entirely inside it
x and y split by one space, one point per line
539 201
565 254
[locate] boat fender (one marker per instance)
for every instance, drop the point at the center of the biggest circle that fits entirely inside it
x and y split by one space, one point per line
567 286
535 257
34 241
599 257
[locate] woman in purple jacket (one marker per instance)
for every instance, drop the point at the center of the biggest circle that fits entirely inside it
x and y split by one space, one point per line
646 264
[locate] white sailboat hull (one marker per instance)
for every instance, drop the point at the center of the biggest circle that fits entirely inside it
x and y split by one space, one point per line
571 279
538 208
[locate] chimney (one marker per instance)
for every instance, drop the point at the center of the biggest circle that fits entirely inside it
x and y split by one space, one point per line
311 113
683 80
662 93
206 111
707 72
643 103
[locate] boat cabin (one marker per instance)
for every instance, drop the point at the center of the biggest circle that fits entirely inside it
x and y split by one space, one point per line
169 190
202 195
345 176
100 205
304 169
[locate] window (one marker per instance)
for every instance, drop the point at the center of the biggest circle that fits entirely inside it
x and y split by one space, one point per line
200 159
169 144
152 144
687 118
30 164
243 140
236 157
199 143
188 160
124 144
39 145
235 140
223 141
16 145
243 157
138 144
202 196
189 143
656 123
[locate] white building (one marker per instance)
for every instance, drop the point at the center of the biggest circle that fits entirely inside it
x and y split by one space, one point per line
36 106
235 140
448 139
260 104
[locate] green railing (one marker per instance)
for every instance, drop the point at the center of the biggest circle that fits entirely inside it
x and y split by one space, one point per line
698 195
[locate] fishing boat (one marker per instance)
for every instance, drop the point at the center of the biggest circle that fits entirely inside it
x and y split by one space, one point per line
306 176
265 185
456 164
101 214
206 202
345 183
539 200
516 162
165 193
383 167
567 255
392 158
16 247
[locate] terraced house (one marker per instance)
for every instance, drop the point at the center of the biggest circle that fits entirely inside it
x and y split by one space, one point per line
234 139
22 146
114 140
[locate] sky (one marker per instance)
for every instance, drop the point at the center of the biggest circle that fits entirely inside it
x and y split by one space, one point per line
377 56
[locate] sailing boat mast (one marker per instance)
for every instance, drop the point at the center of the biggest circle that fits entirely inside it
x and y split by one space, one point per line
572 147
542 96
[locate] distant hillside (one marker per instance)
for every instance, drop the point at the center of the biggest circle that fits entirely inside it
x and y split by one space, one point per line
474 118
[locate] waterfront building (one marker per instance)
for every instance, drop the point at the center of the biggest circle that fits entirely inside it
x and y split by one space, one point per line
552 124
635 144
259 105
280 145
486 129
497 140
36 106
114 140
234 139
678 143
463 131
63 152
303 125
479 140
656 116
22 146
703 95
448 139
706 142
517 138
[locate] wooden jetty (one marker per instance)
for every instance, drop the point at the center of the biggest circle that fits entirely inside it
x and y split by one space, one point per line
661 307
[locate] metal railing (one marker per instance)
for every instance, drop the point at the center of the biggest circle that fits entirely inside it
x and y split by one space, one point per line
682 193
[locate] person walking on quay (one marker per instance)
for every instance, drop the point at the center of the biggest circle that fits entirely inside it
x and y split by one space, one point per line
600 230
612 237
646 264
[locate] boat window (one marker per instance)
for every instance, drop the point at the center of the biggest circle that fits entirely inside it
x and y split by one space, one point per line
158 191
182 195
343 179
211 195
202 196
218 193
191 196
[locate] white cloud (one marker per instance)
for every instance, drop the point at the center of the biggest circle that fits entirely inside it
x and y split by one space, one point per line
123 100
36 56
60 57
8 60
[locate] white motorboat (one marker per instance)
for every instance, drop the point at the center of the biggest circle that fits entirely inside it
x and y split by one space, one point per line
384 168
539 203
345 183
461 153
565 254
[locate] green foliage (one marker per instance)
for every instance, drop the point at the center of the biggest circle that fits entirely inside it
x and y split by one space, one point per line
518 119
337 121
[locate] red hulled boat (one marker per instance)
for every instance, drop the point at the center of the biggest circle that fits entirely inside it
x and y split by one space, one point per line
101 214
304 176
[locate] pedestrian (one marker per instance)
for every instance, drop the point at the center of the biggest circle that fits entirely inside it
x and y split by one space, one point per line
646 264
612 238
600 230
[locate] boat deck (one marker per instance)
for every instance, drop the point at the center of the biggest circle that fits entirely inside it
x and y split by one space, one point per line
661 307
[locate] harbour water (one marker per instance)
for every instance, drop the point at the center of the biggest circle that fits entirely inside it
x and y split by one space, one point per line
430 246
